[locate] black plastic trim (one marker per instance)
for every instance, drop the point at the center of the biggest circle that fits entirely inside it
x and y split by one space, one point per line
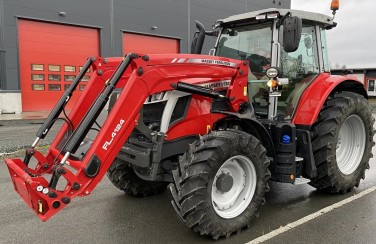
304 150
176 147
93 167
185 111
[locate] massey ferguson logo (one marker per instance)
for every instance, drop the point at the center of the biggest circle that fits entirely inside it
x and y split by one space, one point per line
216 85
211 61
113 135
203 61
218 62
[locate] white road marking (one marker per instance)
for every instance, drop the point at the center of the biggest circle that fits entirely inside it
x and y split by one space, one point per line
310 217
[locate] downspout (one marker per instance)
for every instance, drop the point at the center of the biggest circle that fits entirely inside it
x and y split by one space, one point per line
189 27
112 28
2 47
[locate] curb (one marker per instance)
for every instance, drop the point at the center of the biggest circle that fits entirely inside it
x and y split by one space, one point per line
18 122
12 150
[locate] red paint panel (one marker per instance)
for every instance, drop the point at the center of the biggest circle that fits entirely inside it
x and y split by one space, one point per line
136 43
47 44
315 96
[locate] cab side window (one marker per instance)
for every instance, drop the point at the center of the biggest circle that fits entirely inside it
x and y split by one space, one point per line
304 61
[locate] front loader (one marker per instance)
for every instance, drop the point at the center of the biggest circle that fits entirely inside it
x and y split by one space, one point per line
215 128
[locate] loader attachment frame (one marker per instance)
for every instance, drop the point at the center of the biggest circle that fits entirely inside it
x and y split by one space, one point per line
139 76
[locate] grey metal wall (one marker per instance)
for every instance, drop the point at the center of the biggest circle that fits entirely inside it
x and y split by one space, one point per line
174 18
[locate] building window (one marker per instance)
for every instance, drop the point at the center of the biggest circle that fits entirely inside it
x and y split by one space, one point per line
69 77
66 86
54 68
37 67
68 68
37 87
37 77
85 78
371 85
88 70
54 87
54 77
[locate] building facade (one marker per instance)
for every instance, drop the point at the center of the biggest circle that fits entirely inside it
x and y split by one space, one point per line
366 75
43 43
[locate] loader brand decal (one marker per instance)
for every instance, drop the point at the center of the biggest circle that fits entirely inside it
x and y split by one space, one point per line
216 85
211 61
113 135
204 61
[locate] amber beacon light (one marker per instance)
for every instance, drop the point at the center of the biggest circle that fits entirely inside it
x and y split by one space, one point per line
334 6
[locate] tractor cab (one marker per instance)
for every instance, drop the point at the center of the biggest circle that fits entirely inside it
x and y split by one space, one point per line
286 50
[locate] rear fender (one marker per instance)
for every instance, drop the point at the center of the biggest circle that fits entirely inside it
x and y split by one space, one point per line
314 97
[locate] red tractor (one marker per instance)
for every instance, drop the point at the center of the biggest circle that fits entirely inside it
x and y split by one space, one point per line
215 128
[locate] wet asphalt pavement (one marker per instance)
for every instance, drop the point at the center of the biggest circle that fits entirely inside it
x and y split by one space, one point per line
352 223
110 216
19 134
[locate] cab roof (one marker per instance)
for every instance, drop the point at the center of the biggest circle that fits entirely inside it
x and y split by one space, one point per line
322 19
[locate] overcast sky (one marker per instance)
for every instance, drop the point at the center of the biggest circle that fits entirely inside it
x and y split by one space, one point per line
353 41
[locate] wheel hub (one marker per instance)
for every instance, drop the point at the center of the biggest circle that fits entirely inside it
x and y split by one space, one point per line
225 182
351 144
233 186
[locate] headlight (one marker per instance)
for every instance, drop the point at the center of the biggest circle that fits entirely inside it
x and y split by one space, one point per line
272 15
272 72
261 16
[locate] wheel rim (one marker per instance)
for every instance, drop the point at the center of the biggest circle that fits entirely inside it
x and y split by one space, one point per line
351 144
232 203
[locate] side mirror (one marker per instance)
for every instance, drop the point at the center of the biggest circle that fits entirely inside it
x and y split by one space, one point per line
292 31
198 39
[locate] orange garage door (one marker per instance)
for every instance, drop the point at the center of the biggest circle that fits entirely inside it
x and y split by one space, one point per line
138 43
51 55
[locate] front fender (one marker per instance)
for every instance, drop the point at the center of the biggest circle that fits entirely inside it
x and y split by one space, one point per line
314 97
248 125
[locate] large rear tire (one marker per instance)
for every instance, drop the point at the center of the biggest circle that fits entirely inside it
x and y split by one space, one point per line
122 175
220 183
342 140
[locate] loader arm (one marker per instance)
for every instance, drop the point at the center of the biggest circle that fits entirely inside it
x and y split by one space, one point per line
138 76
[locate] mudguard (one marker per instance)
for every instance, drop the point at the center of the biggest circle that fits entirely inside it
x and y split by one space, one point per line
314 97
251 126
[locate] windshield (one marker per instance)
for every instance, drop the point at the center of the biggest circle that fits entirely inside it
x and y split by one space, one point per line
242 42
252 43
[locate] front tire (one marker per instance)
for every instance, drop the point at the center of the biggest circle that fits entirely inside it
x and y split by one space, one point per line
122 175
342 140
220 183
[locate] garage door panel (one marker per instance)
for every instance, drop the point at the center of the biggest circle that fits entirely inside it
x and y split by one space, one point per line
52 44
149 44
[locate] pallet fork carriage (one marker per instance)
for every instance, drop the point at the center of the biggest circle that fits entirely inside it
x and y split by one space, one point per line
215 128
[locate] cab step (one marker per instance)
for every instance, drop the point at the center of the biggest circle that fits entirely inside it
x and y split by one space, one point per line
301 181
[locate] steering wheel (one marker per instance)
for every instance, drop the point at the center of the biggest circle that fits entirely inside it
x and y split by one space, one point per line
256 62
